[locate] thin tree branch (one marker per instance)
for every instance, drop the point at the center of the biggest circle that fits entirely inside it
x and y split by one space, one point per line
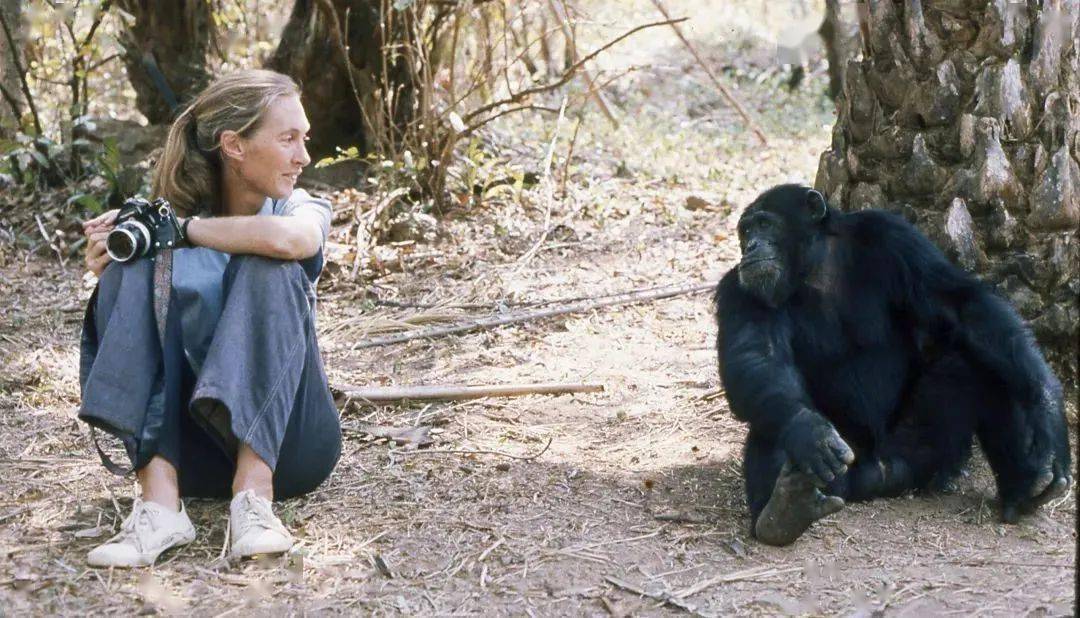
569 73
716 82
22 72
476 452
487 323
458 392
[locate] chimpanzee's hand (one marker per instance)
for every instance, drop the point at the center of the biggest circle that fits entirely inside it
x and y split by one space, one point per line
815 447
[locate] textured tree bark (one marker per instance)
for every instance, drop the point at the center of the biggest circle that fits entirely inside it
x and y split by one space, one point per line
323 43
166 52
964 116
9 76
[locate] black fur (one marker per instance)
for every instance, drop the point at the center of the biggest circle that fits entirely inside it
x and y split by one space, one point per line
860 323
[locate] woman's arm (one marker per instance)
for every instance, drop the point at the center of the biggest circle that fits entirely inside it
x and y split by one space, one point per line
292 237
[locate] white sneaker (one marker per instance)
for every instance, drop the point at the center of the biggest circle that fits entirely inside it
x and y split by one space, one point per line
254 529
144 535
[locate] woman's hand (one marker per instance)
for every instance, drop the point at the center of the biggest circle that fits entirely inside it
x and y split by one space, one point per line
96 230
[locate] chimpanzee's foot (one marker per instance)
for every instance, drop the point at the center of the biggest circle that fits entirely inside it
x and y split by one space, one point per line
795 504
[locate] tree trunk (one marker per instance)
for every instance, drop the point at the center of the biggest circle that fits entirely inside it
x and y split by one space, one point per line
166 49
11 95
351 111
963 117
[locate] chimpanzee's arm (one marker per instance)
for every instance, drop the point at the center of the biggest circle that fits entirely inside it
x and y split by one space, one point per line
764 386
757 369
1027 441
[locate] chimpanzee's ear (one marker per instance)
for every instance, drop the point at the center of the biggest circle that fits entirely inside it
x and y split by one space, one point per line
817 205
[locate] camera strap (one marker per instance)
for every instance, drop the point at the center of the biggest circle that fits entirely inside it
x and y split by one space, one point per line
162 283
163 266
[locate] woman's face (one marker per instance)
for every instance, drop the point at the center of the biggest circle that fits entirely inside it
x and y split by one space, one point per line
269 161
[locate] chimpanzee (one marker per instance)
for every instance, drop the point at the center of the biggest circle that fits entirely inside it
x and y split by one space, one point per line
864 363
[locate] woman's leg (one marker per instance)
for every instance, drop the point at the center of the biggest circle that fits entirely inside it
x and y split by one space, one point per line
262 394
159 483
263 390
128 379
131 388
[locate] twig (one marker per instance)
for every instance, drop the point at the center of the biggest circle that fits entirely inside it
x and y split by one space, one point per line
734 577
566 163
549 194
459 392
52 245
563 79
663 597
509 303
476 452
487 323
14 513
562 18
716 82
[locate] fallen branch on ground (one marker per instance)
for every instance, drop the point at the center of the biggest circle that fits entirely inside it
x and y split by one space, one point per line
663 597
476 452
486 323
456 392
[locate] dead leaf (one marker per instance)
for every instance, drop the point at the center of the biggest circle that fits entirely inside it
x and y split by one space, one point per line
90 533
694 202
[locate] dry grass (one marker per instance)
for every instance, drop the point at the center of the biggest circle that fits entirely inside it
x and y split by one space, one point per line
636 507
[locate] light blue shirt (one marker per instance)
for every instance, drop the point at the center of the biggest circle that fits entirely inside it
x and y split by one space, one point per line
197 276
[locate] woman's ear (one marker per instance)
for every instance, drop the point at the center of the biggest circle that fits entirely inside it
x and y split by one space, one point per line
231 145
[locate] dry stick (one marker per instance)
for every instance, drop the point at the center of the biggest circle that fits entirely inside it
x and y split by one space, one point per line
563 79
506 303
661 596
460 392
734 577
594 92
716 82
549 194
486 323
477 452
45 235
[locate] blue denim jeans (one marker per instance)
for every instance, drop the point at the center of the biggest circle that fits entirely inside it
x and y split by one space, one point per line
262 382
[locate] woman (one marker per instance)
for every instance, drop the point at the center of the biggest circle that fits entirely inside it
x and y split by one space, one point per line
216 387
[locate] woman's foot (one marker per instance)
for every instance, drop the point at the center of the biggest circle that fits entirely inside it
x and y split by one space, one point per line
145 534
254 529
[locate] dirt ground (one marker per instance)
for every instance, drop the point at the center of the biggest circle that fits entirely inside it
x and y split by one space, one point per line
625 502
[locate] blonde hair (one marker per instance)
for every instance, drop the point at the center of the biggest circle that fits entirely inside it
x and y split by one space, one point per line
188 174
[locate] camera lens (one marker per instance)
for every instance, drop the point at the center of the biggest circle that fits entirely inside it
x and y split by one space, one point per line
128 240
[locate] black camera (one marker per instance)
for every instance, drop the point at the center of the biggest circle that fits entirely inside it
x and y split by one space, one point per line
142 226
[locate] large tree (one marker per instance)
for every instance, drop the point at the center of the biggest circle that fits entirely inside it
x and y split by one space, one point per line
964 116
166 46
335 49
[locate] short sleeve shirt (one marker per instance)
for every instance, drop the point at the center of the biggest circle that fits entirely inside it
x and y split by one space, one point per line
198 273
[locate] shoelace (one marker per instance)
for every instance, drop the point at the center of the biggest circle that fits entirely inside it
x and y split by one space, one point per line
138 522
258 513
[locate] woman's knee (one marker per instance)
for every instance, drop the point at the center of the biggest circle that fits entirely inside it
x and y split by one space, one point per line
260 267
116 273
296 476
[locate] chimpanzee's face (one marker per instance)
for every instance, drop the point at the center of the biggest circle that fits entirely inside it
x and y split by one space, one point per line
774 233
